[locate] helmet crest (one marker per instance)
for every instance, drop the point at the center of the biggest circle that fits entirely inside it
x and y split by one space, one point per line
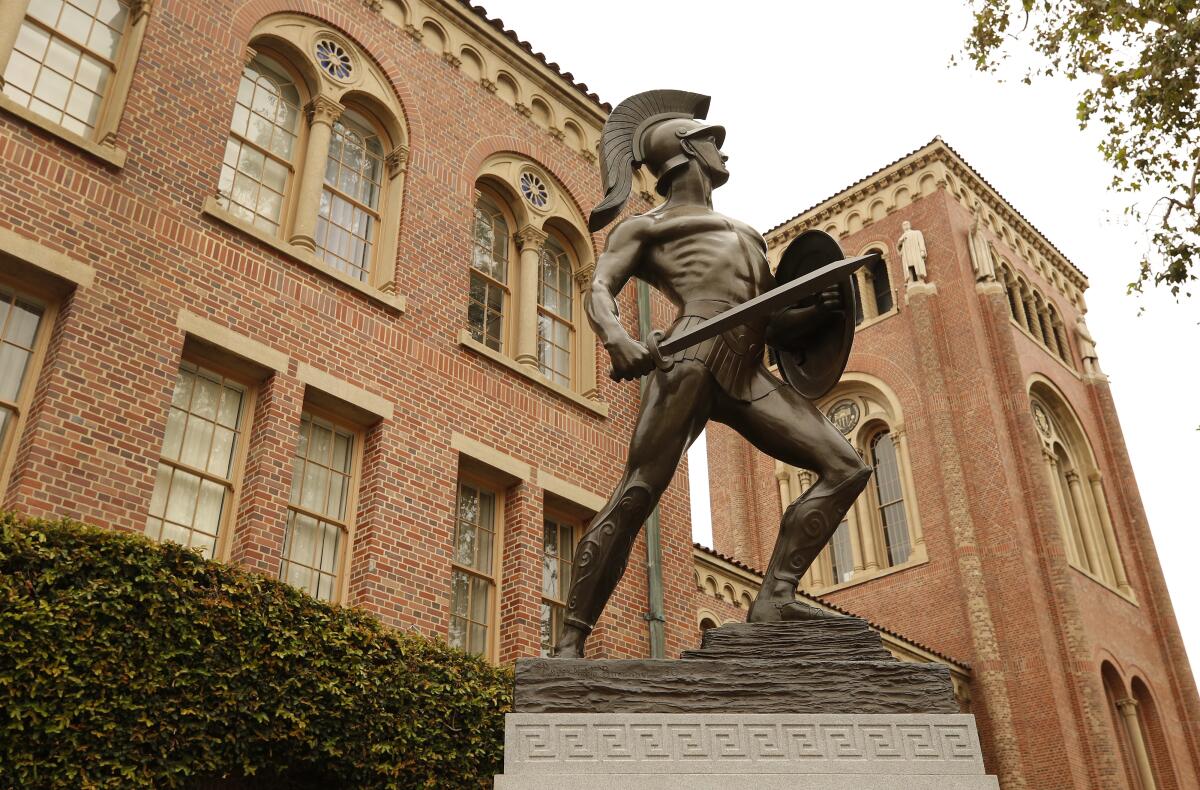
621 143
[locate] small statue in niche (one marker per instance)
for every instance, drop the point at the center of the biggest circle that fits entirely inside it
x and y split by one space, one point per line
981 253
912 253
1087 348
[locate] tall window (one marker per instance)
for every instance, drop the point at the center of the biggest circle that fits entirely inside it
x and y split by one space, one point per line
64 59
890 498
558 552
194 486
258 164
473 569
489 273
841 554
348 220
21 332
882 287
556 329
319 508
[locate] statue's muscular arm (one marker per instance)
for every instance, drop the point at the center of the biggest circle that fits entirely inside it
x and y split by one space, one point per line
619 261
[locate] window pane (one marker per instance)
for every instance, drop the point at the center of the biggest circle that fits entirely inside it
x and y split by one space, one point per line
65 71
891 498
194 507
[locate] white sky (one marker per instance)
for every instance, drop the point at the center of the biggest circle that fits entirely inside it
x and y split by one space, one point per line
816 95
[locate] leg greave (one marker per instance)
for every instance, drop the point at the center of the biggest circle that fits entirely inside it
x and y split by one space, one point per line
603 552
809 524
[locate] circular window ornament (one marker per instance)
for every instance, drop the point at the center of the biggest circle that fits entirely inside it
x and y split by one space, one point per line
334 60
844 415
534 189
1042 420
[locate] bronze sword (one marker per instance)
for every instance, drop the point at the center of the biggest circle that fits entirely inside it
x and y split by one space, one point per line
784 295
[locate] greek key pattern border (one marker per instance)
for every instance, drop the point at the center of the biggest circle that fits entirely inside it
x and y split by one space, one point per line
833 744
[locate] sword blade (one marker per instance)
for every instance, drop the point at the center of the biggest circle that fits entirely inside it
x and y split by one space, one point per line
785 295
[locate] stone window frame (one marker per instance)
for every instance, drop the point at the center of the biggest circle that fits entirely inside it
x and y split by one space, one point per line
49 301
570 523
1035 315
1080 500
879 411
531 227
291 40
508 325
864 278
576 298
478 479
250 379
324 410
103 143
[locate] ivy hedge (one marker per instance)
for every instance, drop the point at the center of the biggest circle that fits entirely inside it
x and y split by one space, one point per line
125 663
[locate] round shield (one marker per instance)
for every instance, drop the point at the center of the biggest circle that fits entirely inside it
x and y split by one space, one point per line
815 369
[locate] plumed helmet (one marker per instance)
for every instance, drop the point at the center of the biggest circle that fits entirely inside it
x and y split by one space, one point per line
647 128
662 146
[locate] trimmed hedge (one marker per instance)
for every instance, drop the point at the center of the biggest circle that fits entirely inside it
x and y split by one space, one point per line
124 663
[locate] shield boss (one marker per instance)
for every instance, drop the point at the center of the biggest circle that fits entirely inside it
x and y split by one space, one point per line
815 369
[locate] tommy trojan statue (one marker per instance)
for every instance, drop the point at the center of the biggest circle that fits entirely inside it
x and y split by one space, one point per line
709 365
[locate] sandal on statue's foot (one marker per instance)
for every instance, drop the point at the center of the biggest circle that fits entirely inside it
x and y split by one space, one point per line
794 611
767 610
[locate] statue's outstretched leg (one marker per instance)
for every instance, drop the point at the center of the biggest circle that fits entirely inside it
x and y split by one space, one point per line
786 426
674 411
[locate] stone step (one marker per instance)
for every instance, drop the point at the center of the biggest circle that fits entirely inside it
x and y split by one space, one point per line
722 685
842 638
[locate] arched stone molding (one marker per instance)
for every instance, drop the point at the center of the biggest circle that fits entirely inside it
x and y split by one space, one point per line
488 58
558 219
875 303
373 48
1081 502
866 409
1154 732
920 174
362 91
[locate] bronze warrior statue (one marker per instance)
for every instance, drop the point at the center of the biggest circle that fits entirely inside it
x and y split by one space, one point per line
708 264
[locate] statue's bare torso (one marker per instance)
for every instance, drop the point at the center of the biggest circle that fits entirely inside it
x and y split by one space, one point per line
692 253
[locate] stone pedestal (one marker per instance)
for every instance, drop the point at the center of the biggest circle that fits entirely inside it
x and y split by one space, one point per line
810 705
647 751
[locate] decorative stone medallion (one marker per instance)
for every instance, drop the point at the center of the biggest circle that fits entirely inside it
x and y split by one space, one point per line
334 60
534 189
1042 420
844 415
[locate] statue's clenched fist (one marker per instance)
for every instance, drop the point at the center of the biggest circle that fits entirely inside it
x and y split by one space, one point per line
630 359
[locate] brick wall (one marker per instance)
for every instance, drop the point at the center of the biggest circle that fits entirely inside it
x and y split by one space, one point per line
91 442
996 590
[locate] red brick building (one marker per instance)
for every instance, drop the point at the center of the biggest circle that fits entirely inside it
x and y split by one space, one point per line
1003 525
297 283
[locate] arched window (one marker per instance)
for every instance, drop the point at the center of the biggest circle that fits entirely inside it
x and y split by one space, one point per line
348 219
1114 695
890 498
530 255
491 253
1077 489
1154 736
258 167
556 311
315 156
882 286
881 530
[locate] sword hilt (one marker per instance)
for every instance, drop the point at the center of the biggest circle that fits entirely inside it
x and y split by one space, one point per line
652 341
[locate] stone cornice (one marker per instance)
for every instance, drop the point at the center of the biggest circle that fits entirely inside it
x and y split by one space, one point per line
521 55
937 151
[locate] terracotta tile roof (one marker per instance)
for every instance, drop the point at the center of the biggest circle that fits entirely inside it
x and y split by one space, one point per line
836 608
935 141
511 35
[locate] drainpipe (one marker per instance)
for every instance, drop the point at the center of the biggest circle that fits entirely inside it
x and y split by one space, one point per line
654 579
